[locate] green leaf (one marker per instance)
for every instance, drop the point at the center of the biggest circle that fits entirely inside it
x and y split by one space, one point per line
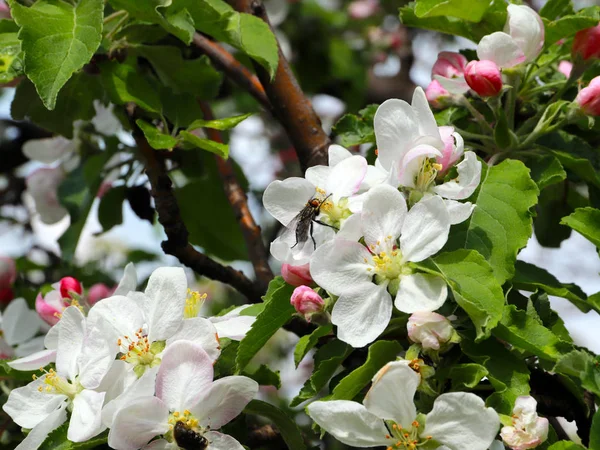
550 319
265 376
546 170
156 138
196 77
11 55
217 148
466 376
277 312
583 367
470 10
566 445
125 84
327 361
585 221
219 124
58 38
508 374
306 343
521 330
595 432
556 8
566 26
380 353
290 432
180 109
530 278
553 205
8 372
110 210
76 101
501 223
473 284
57 440
356 129
225 364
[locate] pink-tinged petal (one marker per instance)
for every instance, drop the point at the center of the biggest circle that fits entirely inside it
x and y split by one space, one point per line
346 177
420 292
86 418
392 393
526 28
410 165
425 230
40 432
484 78
456 85
128 282
318 175
500 48
137 423
337 154
565 67
340 265
449 65
454 147
34 361
27 406
296 275
19 323
70 342
396 126
50 308
362 313
588 98
224 400
427 124
458 212
220 441
199 331
167 290
383 213
469 175
285 199
185 373
349 422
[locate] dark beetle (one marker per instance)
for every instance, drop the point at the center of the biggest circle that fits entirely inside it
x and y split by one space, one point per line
188 439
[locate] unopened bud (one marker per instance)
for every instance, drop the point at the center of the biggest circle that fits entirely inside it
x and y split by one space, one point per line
586 44
307 302
588 98
429 329
565 67
68 285
6 295
297 275
449 65
484 77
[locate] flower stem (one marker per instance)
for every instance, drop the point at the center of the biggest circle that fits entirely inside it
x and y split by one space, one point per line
476 114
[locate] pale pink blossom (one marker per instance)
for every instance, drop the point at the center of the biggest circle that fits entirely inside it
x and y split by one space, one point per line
436 93
565 67
307 302
297 275
527 430
429 329
588 98
362 9
51 306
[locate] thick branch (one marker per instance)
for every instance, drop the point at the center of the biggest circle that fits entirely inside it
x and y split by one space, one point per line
259 256
291 107
177 234
235 70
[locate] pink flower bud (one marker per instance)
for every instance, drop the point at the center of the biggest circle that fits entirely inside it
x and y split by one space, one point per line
8 272
429 329
565 67
362 9
50 307
306 301
484 77
68 285
449 65
586 44
436 93
588 98
97 292
6 295
297 275
4 10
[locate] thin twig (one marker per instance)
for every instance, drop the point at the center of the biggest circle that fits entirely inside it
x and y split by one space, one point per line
233 69
291 107
177 234
259 256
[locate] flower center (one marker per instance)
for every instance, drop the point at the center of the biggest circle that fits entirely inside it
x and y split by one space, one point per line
55 384
141 353
405 438
193 303
332 213
388 265
425 179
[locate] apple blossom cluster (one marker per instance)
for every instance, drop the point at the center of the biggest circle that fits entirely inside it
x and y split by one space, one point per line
139 364
375 221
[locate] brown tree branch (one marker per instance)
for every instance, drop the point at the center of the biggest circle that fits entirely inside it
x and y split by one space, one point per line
177 234
235 70
259 256
291 107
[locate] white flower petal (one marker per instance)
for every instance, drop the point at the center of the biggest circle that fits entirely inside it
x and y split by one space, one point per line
42 185
19 323
411 164
526 29
128 282
86 417
70 341
460 420
362 313
427 124
40 432
233 327
383 213
105 121
185 373
161 444
396 126
285 199
458 212
48 150
349 422
30 347
285 249
96 359
351 229
51 339
337 154
346 177
456 85
224 400
500 48
220 441
340 265
137 423
469 175
167 290
392 394
420 292
318 175
120 315
425 229
199 331
34 361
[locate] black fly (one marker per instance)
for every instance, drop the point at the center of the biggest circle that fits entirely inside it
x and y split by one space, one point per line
306 219
187 438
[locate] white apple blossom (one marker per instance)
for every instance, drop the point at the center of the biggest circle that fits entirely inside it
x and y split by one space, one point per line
366 278
388 416
18 327
417 153
333 185
520 42
83 359
42 186
527 430
186 398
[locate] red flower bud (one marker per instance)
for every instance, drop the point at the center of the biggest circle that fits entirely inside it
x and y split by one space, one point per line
586 44
306 301
68 285
589 98
484 77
